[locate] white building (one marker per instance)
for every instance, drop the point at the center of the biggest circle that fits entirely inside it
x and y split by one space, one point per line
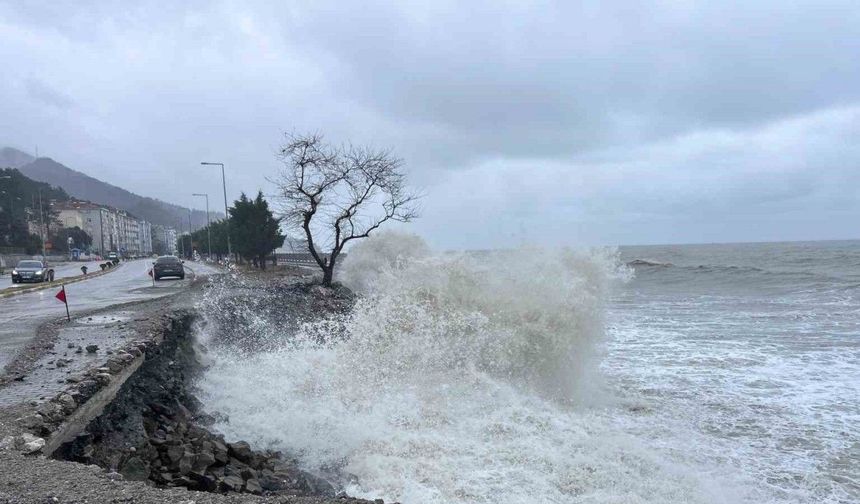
144 238
128 233
112 230
163 240
97 221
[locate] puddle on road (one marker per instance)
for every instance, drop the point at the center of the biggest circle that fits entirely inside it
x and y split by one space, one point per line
104 320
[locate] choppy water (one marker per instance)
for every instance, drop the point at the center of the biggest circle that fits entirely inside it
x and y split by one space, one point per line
753 351
719 374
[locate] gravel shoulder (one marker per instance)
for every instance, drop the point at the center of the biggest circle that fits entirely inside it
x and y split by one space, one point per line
26 479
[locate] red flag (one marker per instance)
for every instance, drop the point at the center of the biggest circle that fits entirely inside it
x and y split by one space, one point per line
62 297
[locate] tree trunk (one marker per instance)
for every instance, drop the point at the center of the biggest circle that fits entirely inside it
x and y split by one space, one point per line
328 275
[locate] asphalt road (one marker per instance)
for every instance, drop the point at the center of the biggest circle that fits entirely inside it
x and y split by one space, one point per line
64 270
21 315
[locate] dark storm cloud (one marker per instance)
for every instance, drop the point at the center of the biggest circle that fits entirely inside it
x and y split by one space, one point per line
548 121
553 78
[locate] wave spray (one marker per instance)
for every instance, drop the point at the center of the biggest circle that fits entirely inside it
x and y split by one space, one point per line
459 377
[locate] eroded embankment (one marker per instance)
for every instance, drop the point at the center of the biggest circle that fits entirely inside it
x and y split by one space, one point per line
134 417
155 430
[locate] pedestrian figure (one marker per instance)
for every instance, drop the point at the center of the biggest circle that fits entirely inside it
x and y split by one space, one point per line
84 270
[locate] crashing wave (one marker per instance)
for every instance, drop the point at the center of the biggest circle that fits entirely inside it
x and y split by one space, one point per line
460 377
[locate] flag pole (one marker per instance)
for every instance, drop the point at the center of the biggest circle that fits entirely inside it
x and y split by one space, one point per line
66 302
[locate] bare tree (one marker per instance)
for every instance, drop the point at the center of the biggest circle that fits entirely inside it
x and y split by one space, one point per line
340 194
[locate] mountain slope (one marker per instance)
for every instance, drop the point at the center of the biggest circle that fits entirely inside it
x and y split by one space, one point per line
84 187
13 158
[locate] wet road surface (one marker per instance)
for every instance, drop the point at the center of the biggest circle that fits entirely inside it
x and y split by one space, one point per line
64 270
20 316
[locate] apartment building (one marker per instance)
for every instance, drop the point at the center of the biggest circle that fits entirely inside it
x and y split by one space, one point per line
163 240
111 229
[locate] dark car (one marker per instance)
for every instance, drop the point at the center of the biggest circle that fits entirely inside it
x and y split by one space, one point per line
168 266
32 271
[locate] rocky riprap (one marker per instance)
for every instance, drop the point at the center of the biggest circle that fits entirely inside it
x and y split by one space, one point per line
176 451
155 430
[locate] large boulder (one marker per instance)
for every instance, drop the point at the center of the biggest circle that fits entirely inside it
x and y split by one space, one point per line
33 422
203 461
186 463
29 444
173 455
253 486
67 403
220 451
135 469
232 483
315 485
241 450
206 482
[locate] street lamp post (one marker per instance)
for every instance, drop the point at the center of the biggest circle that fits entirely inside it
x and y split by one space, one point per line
208 225
41 224
226 212
181 239
190 235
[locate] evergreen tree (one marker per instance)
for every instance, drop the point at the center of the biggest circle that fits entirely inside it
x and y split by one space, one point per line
254 230
81 239
219 239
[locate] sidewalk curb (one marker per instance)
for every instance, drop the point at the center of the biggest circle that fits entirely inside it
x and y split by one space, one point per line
15 291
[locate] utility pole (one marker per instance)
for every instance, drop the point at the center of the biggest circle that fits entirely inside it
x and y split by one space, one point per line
181 240
208 224
41 224
190 232
101 234
226 211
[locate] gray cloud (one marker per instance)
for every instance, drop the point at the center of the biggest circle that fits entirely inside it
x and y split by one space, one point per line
44 93
618 122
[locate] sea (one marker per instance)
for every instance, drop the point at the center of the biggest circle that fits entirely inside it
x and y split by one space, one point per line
725 373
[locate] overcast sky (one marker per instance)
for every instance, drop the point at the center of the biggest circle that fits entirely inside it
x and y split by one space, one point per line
609 122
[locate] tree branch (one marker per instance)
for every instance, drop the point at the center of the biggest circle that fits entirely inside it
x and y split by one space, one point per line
358 188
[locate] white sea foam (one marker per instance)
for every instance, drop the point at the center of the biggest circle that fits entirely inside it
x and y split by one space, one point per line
462 378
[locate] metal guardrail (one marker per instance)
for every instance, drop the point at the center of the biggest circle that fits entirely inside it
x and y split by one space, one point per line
306 260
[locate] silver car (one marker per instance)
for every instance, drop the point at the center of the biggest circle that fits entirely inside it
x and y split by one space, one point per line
32 271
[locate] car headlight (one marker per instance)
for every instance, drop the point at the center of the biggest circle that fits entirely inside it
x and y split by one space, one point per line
14 272
39 272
